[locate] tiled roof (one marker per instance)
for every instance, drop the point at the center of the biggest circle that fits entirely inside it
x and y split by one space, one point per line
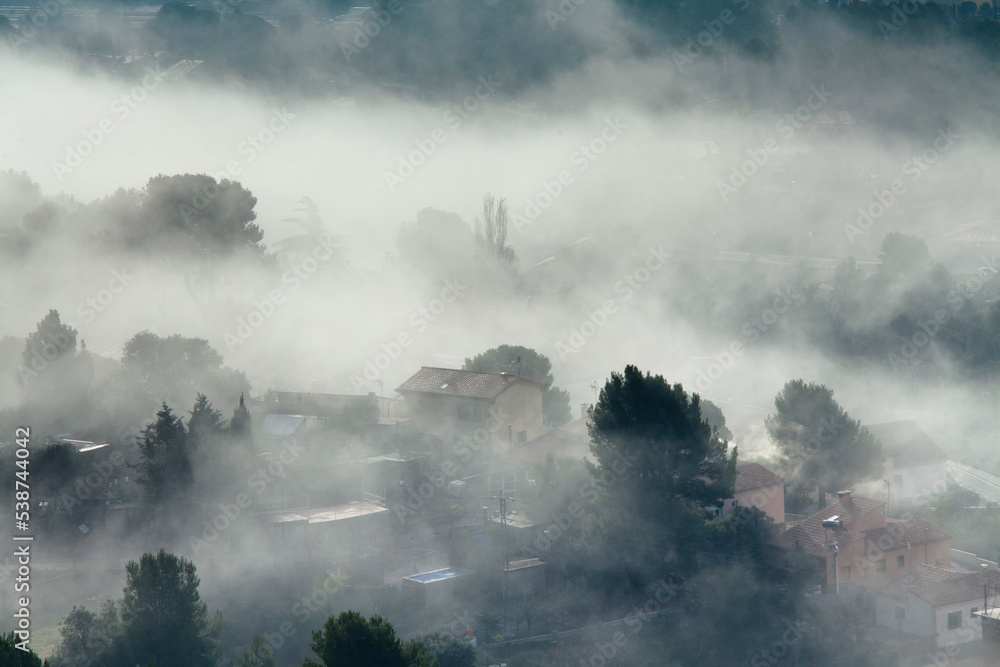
817 540
754 476
907 444
913 533
453 382
940 586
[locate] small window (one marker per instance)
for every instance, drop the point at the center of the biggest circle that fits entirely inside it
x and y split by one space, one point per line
900 561
954 620
845 573
880 566
734 504
900 614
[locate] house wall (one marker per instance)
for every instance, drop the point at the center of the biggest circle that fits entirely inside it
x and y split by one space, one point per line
768 499
913 482
521 406
863 557
969 631
438 416
885 612
924 620
920 618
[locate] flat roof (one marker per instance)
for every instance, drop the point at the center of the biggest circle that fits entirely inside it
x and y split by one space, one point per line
437 575
325 514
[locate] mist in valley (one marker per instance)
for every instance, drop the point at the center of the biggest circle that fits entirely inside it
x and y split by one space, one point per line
241 241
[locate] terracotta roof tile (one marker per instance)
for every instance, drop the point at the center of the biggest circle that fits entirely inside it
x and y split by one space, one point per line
817 540
940 586
472 384
754 476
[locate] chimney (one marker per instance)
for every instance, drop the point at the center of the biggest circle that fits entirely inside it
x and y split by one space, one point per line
583 410
844 496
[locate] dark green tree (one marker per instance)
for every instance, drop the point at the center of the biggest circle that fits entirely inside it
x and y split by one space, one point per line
52 371
525 361
818 442
164 620
350 640
241 425
194 215
164 450
258 654
449 651
204 424
90 638
743 536
12 656
711 413
654 448
176 369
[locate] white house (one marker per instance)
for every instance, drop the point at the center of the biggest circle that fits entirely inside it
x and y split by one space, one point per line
932 607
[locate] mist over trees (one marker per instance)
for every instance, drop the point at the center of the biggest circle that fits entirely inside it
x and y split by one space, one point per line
205 321
818 443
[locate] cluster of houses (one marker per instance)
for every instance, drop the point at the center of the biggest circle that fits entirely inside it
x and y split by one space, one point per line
927 596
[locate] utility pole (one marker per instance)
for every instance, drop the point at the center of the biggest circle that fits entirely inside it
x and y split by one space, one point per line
503 546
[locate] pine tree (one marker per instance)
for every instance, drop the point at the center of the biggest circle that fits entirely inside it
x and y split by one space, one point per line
164 451
240 425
